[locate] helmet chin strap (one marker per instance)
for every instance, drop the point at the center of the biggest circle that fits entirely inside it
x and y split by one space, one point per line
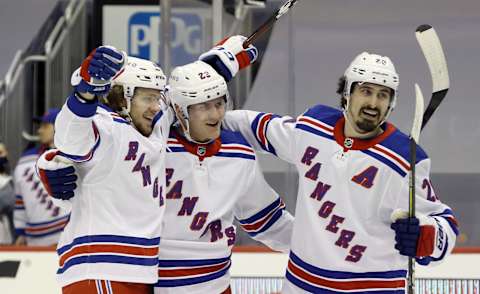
186 132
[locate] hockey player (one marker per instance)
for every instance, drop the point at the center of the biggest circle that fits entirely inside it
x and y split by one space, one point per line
38 221
351 230
212 177
111 241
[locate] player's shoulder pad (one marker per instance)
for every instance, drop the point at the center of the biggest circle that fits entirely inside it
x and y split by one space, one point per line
324 113
400 144
231 137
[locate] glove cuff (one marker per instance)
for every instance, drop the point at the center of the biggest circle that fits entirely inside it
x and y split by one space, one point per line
426 241
81 107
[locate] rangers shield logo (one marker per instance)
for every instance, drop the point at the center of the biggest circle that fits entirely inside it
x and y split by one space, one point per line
201 150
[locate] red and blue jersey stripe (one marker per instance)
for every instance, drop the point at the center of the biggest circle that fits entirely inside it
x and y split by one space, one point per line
259 128
108 249
19 204
236 151
314 126
264 219
117 118
317 280
389 157
230 144
177 273
42 229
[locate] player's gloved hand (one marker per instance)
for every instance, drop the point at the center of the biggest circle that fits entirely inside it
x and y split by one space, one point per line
98 69
229 56
57 175
414 236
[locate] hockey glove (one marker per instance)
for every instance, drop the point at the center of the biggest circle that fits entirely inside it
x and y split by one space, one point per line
57 175
98 69
229 56
414 237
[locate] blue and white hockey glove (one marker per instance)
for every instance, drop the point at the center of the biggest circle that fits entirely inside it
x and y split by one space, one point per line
414 237
57 175
98 69
229 56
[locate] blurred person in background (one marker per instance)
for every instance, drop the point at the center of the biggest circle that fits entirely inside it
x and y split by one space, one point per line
37 220
7 199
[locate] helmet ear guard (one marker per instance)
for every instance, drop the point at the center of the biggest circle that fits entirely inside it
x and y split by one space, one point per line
374 69
191 84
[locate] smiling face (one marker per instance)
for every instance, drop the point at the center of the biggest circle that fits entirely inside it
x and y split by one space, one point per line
145 105
367 109
205 119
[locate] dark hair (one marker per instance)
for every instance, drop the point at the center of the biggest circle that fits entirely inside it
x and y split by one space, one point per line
115 99
341 88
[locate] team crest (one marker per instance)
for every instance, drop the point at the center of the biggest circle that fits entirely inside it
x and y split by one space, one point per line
348 143
201 150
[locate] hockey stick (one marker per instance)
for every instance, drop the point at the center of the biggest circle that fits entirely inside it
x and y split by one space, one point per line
432 50
414 137
269 23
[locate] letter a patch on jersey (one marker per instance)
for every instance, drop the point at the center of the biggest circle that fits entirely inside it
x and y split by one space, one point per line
366 177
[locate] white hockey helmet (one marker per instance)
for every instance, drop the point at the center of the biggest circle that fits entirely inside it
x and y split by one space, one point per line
374 69
139 73
194 83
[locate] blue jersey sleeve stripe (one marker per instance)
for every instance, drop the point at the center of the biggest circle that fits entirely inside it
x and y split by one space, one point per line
262 213
107 239
81 109
270 222
191 262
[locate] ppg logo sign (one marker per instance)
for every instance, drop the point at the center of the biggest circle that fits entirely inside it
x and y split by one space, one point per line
187 36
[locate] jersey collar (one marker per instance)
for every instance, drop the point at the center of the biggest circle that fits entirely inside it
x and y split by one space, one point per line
349 143
200 150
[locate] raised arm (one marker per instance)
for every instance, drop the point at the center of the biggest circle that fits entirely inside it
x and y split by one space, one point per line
76 133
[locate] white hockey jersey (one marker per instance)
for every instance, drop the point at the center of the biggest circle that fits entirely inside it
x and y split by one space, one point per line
207 187
348 188
116 219
35 215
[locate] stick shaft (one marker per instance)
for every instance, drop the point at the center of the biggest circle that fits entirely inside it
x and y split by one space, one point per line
267 25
